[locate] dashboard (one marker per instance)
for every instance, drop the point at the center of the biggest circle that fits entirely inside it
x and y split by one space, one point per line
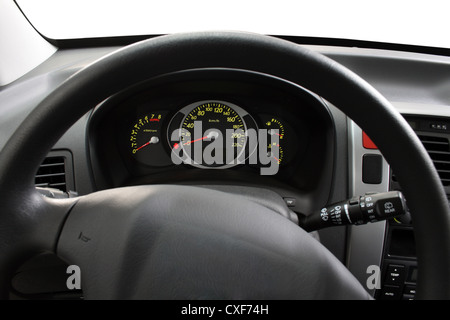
127 139
248 124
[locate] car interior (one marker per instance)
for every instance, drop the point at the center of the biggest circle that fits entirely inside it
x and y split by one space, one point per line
101 168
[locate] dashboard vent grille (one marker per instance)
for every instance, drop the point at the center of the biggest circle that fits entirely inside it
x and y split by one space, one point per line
439 150
52 173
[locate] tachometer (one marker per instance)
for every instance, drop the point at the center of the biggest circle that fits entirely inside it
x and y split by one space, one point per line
145 140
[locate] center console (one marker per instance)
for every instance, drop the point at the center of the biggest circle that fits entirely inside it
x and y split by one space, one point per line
399 262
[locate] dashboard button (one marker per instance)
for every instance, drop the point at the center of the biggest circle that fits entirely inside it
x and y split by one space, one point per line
410 290
395 274
390 293
372 168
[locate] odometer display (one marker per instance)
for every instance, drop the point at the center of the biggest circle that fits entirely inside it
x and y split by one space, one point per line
212 134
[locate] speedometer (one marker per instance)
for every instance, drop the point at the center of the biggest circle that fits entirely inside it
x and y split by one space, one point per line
212 134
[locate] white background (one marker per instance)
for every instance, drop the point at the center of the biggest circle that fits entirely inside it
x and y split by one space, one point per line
396 21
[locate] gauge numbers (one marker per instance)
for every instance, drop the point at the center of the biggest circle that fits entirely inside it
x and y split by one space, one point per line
213 134
275 127
145 139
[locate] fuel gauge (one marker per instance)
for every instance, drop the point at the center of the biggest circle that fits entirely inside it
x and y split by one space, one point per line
275 127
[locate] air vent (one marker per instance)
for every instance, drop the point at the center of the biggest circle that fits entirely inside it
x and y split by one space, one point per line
52 173
439 150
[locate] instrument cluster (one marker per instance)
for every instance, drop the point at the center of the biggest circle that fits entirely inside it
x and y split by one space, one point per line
209 134
209 126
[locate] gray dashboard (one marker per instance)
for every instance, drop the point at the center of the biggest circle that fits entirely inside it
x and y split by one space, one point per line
416 84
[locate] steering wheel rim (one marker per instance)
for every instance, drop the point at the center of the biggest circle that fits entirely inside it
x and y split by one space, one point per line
30 224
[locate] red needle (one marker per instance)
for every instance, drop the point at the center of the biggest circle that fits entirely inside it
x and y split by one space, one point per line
272 132
146 144
153 139
192 141
177 145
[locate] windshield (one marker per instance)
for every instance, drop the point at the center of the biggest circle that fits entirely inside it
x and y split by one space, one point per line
411 22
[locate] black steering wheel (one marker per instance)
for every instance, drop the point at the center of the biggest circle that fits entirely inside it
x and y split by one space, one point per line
156 241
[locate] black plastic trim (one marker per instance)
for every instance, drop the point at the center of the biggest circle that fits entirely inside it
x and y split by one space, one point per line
126 40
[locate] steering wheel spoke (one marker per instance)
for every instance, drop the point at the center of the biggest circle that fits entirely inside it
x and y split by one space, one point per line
29 227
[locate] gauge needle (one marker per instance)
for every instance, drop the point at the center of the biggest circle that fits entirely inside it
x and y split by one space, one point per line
281 136
271 132
210 135
152 140
192 141
177 145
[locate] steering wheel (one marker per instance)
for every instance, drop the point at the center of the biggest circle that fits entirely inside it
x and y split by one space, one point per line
183 242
